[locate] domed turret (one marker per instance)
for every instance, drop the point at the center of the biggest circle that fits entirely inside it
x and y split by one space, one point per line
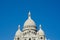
41 32
18 31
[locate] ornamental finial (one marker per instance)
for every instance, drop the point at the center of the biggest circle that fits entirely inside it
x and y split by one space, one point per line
18 26
40 26
29 15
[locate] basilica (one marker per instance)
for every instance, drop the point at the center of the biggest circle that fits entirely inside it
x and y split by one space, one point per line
29 31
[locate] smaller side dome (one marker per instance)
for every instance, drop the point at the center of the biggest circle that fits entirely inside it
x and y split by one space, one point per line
18 31
41 32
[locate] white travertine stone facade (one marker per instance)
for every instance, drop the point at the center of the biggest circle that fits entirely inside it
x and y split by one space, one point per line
29 31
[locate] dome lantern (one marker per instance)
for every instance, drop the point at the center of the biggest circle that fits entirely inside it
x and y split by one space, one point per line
40 26
29 15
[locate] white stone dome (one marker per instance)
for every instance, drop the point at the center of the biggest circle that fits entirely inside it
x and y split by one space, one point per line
41 32
29 21
18 32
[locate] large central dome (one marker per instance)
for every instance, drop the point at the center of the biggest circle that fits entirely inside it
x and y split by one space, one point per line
29 24
29 21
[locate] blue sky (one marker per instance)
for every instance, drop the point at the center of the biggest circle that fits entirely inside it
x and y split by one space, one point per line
15 12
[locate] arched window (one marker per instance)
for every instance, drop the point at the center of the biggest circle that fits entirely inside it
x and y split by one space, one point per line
29 38
41 37
17 38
